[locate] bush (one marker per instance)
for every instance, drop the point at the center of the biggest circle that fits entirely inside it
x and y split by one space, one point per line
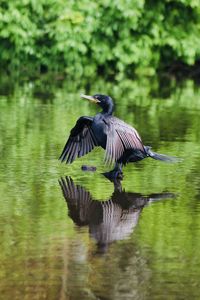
83 37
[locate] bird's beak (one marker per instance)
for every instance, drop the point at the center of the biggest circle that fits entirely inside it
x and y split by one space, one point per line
90 98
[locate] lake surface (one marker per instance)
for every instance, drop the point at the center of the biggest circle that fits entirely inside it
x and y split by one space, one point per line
69 234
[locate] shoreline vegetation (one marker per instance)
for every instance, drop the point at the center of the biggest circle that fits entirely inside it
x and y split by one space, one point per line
114 40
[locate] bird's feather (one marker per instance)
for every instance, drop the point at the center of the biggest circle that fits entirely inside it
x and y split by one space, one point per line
80 142
120 137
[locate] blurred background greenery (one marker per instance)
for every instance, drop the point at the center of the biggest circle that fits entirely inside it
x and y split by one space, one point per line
116 38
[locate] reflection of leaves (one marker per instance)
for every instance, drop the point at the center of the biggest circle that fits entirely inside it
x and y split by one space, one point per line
158 120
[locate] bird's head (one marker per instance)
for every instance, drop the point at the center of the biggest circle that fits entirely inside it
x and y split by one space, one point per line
105 102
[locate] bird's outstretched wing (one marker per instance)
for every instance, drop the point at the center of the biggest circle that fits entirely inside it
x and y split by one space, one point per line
120 137
80 142
78 201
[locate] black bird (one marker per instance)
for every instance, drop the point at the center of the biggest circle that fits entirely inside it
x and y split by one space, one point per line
108 221
120 140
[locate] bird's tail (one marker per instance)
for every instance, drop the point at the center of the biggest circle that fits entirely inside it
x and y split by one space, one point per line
162 157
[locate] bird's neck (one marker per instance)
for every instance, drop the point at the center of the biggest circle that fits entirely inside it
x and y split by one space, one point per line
108 111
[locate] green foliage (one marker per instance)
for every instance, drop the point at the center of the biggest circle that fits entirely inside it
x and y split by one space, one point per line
84 37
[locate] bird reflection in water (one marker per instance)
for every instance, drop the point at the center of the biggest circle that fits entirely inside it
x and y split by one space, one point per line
108 221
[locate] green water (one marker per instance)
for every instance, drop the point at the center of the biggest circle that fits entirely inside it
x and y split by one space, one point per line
44 254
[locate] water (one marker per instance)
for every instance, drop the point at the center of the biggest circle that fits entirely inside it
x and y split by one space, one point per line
140 240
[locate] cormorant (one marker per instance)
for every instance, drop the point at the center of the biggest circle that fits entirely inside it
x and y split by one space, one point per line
120 140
